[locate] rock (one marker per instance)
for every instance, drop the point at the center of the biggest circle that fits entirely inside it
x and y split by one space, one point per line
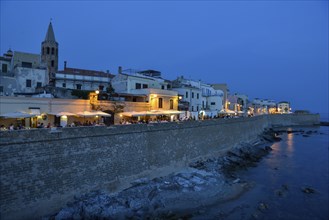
236 180
308 190
255 216
197 188
137 204
183 182
262 206
284 186
279 193
197 180
141 181
66 213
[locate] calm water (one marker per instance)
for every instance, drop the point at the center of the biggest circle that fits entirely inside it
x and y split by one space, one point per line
277 182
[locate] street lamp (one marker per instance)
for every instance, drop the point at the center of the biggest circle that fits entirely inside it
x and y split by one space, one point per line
97 91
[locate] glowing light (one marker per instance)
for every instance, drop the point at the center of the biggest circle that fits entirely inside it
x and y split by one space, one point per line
97 92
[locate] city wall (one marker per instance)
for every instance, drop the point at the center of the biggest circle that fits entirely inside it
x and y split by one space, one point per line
42 169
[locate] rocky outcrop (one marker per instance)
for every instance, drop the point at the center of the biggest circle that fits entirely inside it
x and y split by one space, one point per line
170 197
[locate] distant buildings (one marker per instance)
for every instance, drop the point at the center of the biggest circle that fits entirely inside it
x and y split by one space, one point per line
284 107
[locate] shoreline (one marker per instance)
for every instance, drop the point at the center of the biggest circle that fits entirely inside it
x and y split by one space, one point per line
178 195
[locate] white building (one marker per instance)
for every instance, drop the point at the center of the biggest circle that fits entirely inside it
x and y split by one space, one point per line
284 107
263 106
82 79
146 83
133 81
22 74
201 98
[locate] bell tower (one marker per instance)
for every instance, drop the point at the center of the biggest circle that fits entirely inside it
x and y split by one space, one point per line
49 53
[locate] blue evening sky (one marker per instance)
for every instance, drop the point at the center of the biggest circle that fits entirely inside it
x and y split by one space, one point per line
265 49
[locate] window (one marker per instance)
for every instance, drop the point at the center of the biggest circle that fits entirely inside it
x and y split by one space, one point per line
48 50
145 86
134 99
1 89
162 87
28 83
4 68
197 95
79 86
213 103
171 104
169 86
39 84
160 102
197 108
202 104
138 86
52 51
186 94
100 87
27 64
64 85
192 108
192 95
52 63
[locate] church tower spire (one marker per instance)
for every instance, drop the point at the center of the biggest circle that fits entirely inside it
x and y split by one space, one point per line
49 53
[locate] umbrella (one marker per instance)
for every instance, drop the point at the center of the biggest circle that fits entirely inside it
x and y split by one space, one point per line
17 115
226 111
100 113
58 114
86 114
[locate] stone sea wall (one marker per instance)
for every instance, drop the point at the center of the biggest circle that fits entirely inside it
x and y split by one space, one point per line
42 169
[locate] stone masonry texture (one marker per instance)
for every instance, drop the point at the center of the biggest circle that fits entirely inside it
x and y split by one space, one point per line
42 169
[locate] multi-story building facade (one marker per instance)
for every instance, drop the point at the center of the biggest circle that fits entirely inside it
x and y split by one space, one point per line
263 106
82 79
5 72
284 107
212 99
29 74
201 98
149 84
22 74
223 87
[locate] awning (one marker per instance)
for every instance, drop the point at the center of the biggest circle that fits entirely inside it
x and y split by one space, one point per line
35 111
58 114
86 114
100 113
226 111
17 115
151 113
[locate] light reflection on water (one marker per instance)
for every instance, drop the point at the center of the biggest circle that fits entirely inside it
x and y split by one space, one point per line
295 162
290 142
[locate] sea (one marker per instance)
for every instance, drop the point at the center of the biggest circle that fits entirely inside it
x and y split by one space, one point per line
290 183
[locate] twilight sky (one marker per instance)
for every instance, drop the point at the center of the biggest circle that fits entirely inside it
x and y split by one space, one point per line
264 49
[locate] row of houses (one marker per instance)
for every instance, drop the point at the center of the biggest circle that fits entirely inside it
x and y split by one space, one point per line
37 75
